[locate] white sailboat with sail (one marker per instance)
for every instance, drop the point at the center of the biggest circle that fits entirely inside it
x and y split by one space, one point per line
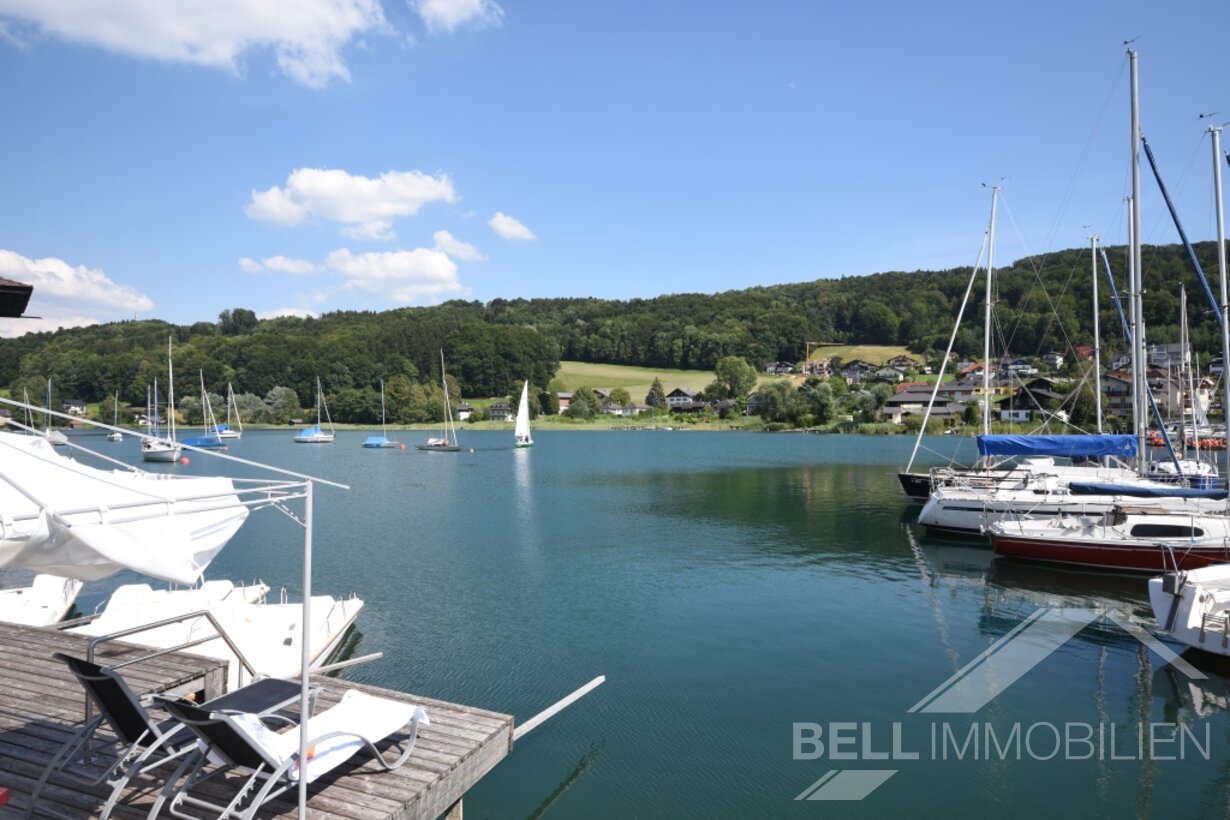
447 442
382 442
521 433
317 434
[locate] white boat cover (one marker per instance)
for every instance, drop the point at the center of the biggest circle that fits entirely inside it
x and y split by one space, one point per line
63 517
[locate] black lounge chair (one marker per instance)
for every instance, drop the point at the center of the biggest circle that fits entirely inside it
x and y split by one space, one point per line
141 743
243 743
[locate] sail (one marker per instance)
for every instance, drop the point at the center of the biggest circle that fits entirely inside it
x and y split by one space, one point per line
69 519
522 431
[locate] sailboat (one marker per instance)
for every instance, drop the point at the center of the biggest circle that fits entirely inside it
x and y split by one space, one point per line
54 436
211 440
447 442
116 435
154 447
225 430
317 434
381 442
521 433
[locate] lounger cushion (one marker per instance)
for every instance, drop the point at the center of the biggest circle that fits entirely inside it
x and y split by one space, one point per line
357 713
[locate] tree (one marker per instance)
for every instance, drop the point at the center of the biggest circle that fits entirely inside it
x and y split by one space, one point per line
736 376
656 398
584 404
972 414
548 403
283 404
236 322
621 396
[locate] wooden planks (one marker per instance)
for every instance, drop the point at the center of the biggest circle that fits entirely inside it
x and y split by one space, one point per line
40 703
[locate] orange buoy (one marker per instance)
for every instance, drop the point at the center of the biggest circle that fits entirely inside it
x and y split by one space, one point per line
183 460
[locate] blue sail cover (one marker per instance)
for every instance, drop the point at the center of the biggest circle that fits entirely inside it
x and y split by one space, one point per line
1075 446
1143 490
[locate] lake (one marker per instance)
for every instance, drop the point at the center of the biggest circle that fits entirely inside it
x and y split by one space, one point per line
738 590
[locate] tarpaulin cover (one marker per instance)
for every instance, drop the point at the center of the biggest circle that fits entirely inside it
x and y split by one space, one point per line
1069 446
1142 490
63 517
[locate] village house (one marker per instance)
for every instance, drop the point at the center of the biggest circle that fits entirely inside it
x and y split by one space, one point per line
464 411
906 365
1053 360
500 411
822 368
779 368
857 370
565 400
680 397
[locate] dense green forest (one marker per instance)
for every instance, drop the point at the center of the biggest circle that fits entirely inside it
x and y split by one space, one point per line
1042 303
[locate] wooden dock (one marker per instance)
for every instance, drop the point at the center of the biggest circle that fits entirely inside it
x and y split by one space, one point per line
41 705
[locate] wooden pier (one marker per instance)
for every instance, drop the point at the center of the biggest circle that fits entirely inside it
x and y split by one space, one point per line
41 705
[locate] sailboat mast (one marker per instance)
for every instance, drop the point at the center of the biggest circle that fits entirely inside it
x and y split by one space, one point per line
986 337
1138 330
384 427
170 391
1215 131
1097 334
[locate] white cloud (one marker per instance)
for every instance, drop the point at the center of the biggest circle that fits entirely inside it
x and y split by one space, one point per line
365 206
66 295
287 311
454 247
306 36
510 228
446 16
278 264
400 276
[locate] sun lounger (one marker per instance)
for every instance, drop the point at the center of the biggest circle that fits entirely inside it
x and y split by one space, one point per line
246 743
141 743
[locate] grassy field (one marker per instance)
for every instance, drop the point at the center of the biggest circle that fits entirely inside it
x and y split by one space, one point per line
636 380
876 354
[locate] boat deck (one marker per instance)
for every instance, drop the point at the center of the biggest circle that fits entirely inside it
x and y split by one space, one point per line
41 704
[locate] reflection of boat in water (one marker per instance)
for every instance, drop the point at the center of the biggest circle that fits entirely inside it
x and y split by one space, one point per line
46 601
266 633
1185 697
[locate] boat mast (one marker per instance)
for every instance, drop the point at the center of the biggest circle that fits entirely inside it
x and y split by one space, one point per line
1138 330
1097 335
986 337
170 391
1221 272
384 428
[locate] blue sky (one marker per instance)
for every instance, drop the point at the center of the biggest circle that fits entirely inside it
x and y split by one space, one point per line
173 159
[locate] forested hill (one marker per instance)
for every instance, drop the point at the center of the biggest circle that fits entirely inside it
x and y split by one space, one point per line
1041 304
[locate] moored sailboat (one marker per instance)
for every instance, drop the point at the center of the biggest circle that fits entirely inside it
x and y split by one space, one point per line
211 439
154 446
382 441
317 434
225 430
447 441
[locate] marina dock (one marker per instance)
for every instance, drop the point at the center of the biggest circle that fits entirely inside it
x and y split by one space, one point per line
41 705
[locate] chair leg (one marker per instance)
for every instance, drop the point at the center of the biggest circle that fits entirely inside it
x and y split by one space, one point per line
139 766
65 754
194 762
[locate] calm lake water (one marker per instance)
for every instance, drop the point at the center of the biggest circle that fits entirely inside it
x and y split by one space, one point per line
730 586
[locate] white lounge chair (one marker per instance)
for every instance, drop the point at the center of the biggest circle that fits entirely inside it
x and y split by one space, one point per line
245 742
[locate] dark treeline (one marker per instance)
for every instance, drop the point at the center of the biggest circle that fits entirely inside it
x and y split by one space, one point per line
1041 303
